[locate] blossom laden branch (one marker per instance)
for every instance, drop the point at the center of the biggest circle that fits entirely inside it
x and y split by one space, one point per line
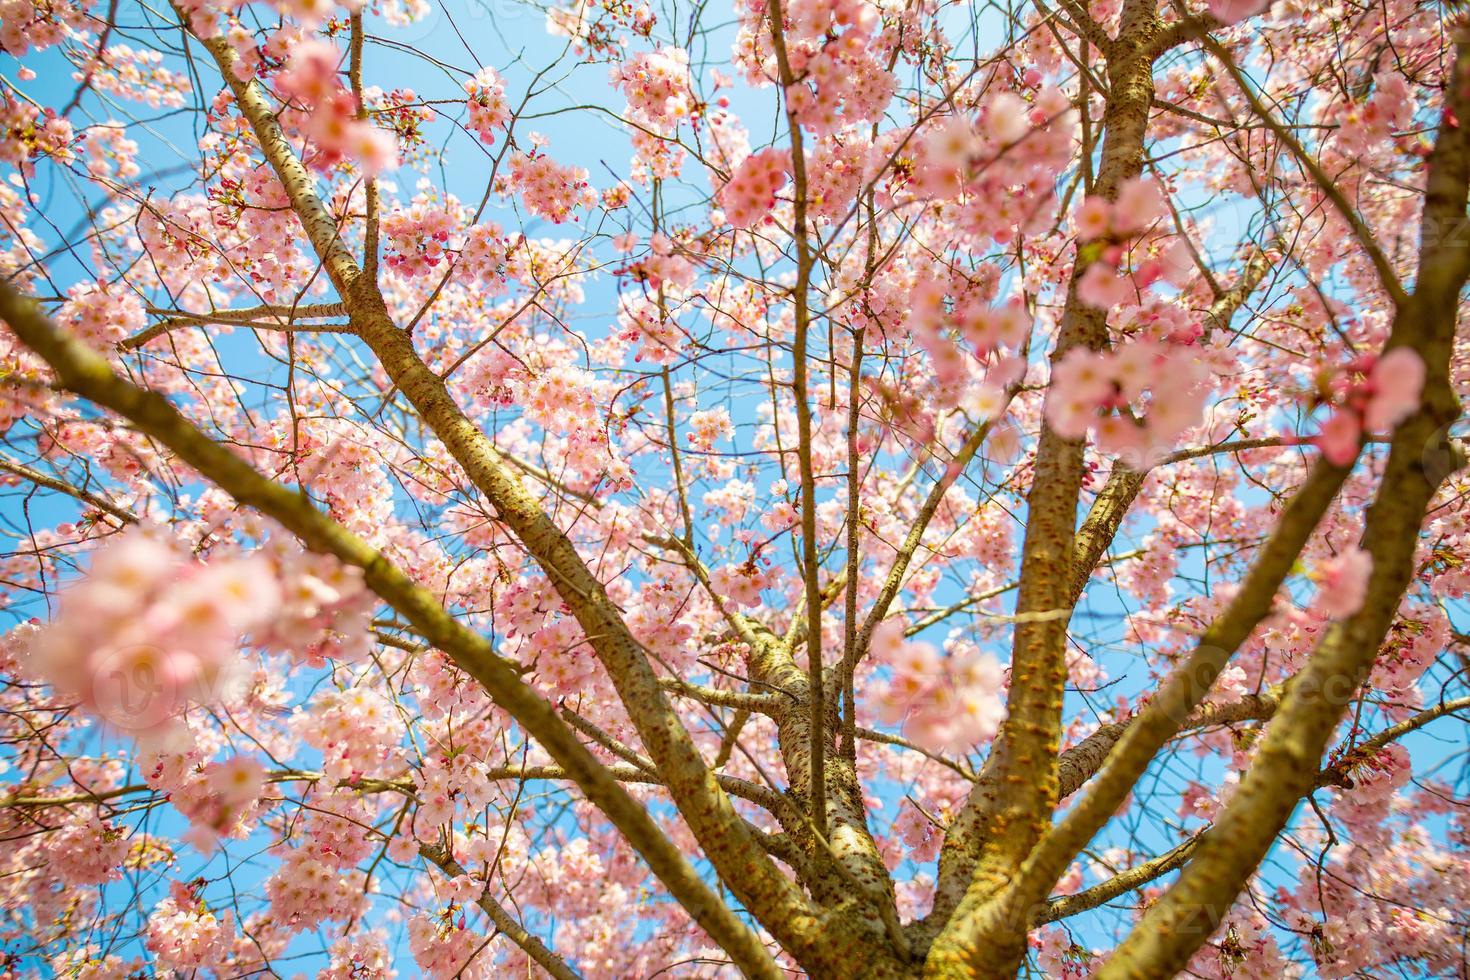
86 374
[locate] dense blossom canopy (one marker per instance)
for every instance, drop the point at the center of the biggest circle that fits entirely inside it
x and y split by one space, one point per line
842 488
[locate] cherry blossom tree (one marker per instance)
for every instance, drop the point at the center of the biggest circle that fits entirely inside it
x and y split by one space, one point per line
833 488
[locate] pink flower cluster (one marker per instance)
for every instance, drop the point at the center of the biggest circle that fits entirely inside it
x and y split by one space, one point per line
184 935
732 500
444 947
363 955
564 664
1104 227
86 851
148 630
305 891
31 133
1372 781
1059 956
354 729
1138 205
88 962
550 189
330 118
1372 394
39 24
203 16
1414 643
840 75
989 328
483 258
936 308
953 142
175 236
996 162
110 152
814 19
136 75
1102 391
523 607
439 796
1004 130
945 703
641 321
663 264
915 827
750 194
565 400
325 611
708 427
729 142
417 237
489 111
834 175
743 583
318 880
237 780
655 156
122 454
218 798
101 316
334 831
657 86
583 876
842 83
1374 123
661 619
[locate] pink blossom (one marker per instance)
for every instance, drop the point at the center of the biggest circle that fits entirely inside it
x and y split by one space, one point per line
148 631
1088 385
551 190
184 934
1102 287
311 74
1094 217
1231 11
942 702
951 142
1005 118
331 112
1138 205
237 781
751 192
987 327
488 109
709 427
1342 583
226 751
657 86
444 948
1340 437
1396 382
364 955
87 851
